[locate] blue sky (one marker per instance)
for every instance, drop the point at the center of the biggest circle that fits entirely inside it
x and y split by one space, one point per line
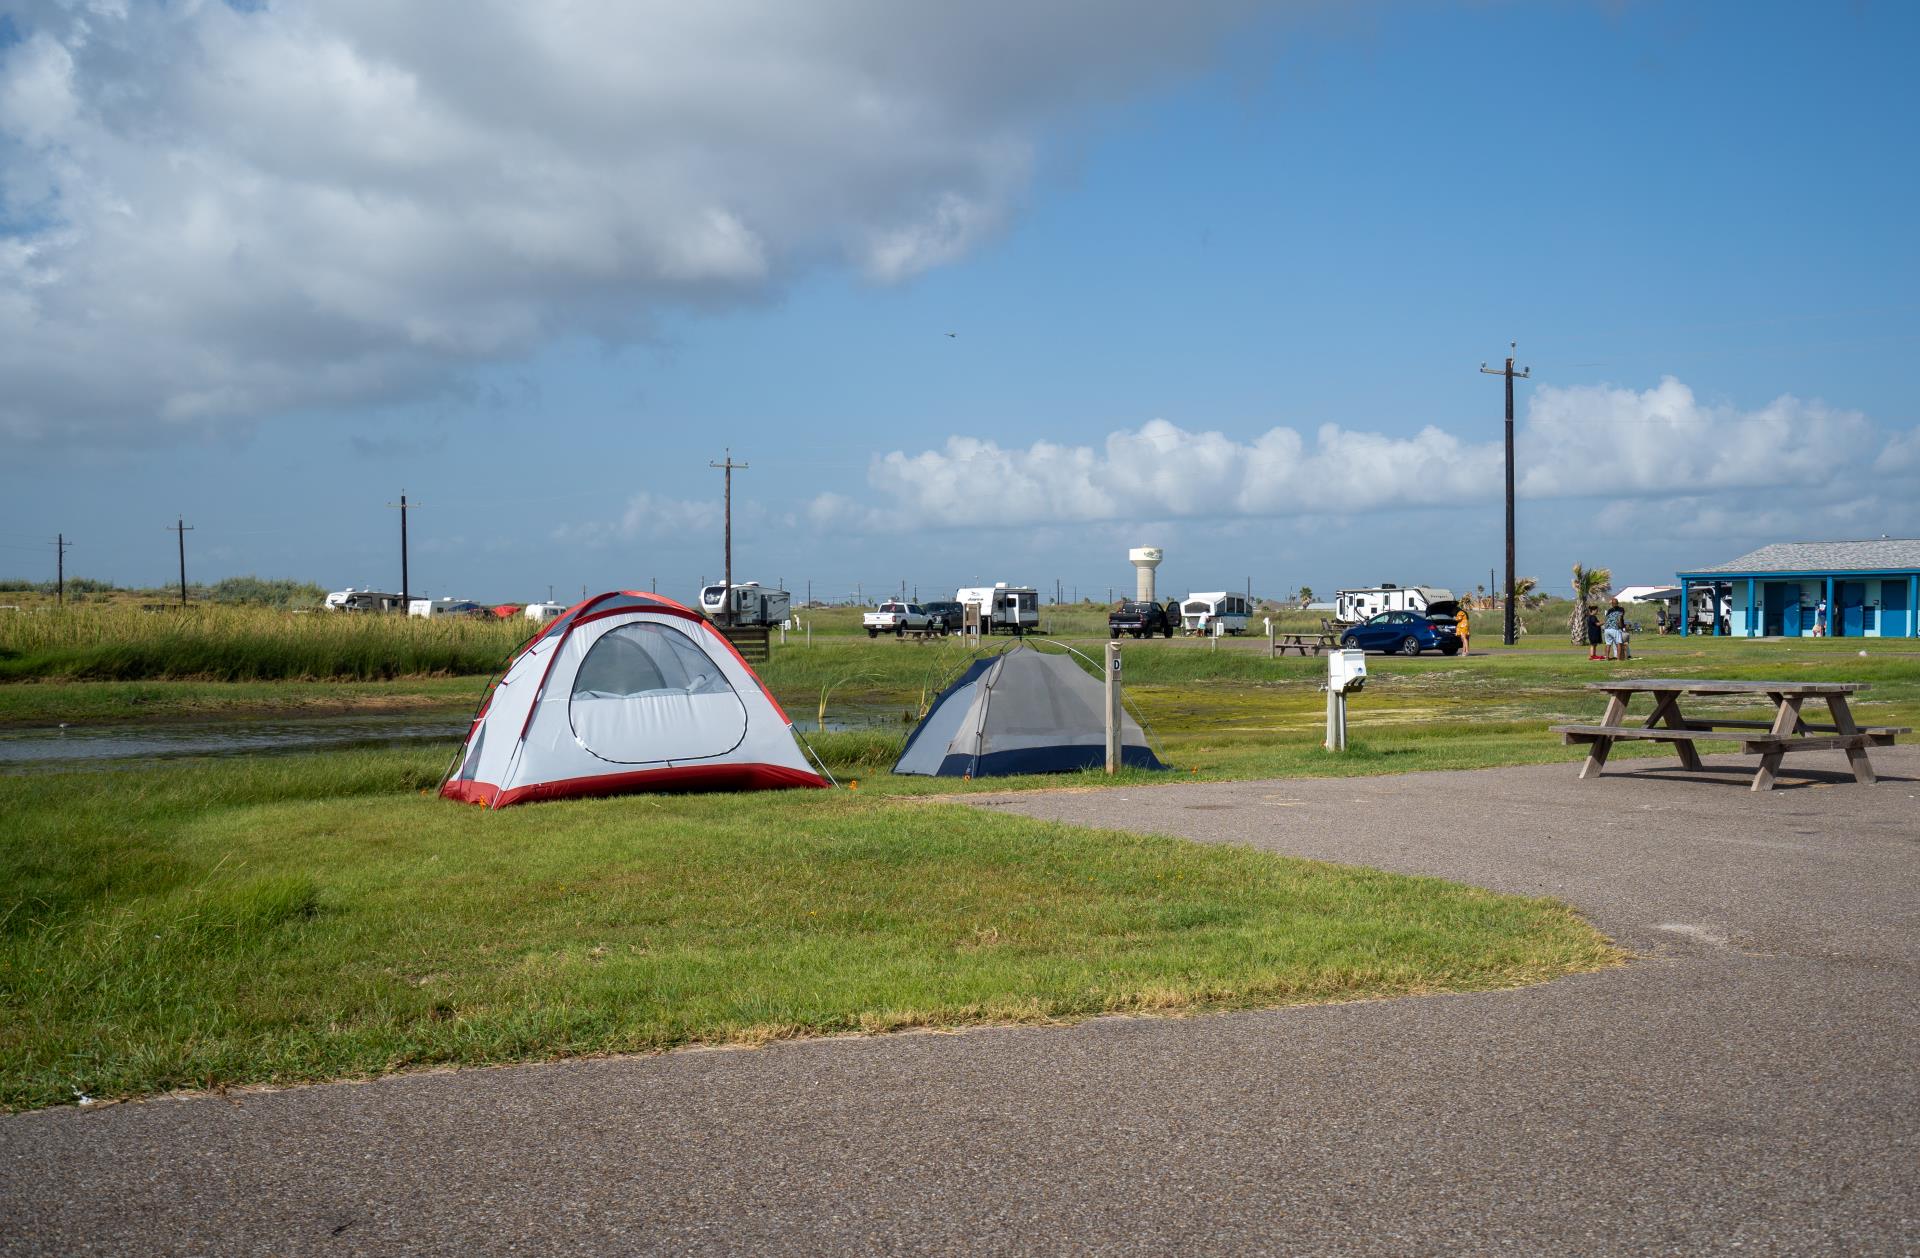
1223 288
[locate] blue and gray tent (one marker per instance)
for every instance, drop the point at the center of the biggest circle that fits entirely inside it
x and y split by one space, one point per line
1024 711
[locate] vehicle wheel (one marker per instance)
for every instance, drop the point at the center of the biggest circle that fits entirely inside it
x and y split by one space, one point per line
900 631
1113 635
1409 645
873 633
1350 642
1167 632
1449 650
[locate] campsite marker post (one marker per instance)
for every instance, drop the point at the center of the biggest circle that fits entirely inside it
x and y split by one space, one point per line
1113 707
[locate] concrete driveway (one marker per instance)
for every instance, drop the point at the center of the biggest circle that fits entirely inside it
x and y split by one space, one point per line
1749 1084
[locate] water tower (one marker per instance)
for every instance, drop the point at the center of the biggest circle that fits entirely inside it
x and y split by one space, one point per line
1144 560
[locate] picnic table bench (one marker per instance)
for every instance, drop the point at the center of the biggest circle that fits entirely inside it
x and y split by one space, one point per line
1788 731
1302 643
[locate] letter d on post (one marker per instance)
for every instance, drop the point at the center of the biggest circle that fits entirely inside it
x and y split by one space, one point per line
1113 707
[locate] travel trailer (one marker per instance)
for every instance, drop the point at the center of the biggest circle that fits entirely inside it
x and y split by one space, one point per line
1003 608
544 612
1353 606
352 600
1199 613
431 607
752 604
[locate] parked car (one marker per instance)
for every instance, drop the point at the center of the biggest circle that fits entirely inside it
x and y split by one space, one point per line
948 616
896 618
1409 633
1142 620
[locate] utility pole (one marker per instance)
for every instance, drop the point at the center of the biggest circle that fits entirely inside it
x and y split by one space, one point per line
406 588
181 527
727 467
1523 374
60 546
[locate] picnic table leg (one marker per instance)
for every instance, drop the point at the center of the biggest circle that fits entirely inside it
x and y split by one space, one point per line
1786 722
1666 713
1597 751
1856 755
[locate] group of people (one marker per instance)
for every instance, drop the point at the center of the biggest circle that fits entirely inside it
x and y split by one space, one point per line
1608 632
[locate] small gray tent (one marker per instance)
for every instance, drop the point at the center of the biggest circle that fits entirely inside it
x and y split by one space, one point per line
1025 711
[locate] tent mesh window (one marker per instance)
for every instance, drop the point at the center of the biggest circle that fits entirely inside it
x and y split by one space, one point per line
646 693
644 659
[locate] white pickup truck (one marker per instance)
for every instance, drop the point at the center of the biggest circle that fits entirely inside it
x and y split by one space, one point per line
895 618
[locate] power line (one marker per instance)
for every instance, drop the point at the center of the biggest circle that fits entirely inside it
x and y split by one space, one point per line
181 527
406 590
728 468
61 546
1512 632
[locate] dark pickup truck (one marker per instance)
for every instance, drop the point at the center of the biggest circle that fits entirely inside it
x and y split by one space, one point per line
1142 620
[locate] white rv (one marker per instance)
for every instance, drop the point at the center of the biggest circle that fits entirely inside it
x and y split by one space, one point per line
1003 608
544 612
352 600
428 608
751 604
1199 613
1353 606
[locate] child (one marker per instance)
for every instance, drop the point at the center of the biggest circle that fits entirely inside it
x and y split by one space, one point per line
1593 635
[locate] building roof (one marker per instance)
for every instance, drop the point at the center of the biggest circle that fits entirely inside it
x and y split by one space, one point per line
1901 555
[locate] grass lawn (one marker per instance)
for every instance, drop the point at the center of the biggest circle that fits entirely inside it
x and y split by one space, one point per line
279 919
318 917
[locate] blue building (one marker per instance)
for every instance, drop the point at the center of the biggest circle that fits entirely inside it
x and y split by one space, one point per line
1871 590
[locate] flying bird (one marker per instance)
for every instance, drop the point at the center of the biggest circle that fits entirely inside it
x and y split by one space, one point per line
953 334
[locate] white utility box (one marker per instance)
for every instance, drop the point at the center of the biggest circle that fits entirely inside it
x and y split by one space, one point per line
1346 670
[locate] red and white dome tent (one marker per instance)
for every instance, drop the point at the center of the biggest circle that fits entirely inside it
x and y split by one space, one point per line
627 692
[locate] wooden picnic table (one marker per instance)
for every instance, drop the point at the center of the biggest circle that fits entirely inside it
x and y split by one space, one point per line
1301 643
1788 731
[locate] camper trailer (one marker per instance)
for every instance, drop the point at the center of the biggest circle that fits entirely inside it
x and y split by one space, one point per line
1199 613
752 604
428 608
352 600
1350 607
1003 608
543 612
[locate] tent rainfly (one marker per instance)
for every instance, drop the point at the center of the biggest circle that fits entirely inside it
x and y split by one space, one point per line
627 692
1025 711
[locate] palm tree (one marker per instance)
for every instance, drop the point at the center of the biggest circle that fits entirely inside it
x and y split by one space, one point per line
1590 585
1306 595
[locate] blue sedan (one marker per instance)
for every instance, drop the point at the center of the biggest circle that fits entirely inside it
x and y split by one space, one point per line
1406 632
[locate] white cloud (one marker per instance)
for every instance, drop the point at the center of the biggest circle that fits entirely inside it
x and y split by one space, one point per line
1599 439
208 213
649 517
1582 442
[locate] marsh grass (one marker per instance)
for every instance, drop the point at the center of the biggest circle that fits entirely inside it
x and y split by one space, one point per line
213 643
317 917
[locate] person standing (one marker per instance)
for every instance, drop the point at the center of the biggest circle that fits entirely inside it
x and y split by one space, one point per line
1593 635
1820 619
1614 631
1463 627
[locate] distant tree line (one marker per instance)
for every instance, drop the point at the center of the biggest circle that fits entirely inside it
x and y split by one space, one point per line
249 591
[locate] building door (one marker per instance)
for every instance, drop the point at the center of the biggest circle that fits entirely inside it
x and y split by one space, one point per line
1893 606
1775 598
1852 596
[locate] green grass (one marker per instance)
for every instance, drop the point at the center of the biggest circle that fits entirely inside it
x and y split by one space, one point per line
318 917
214 643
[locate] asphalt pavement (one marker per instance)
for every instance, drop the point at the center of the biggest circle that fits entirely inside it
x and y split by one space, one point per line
1748 1084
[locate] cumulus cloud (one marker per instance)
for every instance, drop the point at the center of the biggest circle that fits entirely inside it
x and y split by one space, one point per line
210 211
651 517
1601 439
1573 443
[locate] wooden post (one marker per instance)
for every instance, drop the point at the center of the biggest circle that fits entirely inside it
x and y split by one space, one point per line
1113 707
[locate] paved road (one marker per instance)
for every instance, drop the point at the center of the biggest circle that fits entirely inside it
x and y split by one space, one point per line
1748 1085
